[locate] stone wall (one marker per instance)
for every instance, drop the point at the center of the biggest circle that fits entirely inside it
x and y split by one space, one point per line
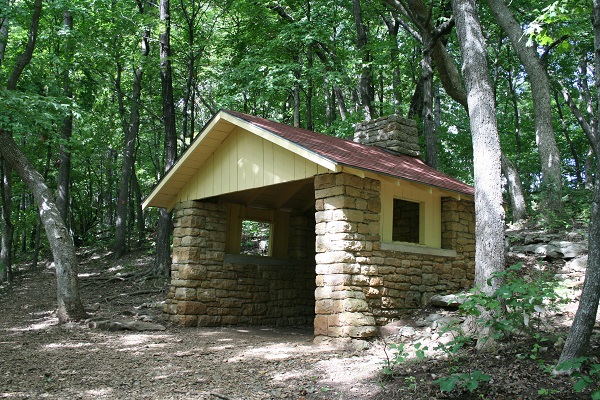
359 284
391 132
210 288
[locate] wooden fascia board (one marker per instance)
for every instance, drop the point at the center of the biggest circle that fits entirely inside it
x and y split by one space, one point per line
427 188
284 143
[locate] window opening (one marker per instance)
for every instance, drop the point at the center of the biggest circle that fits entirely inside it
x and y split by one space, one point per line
256 238
406 221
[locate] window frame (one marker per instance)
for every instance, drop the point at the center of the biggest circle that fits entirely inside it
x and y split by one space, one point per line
430 212
278 229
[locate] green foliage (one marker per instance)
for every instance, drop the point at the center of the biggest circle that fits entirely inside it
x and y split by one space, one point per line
585 374
396 358
470 381
519 303
575 209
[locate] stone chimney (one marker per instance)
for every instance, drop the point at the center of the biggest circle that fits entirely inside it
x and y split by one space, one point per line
392 133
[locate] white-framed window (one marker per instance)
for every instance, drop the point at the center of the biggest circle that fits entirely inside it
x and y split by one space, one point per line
410 214
406 221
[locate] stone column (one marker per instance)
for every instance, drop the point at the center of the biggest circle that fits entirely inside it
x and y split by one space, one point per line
198 246
347 226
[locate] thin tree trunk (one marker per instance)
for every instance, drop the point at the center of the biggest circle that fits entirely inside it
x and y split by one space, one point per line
7 225
309 90
120 244
131 132
515 104
489 211
328 104
296 91
339 97
393 26
572 148
431 158
64 168
515 189
139 212
580 333
70 307
162 262
38 225
4 23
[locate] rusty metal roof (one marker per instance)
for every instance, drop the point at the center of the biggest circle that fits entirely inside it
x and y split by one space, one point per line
356 155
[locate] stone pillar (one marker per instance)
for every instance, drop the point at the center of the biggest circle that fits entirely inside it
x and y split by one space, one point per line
198 247
347 226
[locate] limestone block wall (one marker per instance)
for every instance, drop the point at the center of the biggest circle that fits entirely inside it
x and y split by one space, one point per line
359 284
211 288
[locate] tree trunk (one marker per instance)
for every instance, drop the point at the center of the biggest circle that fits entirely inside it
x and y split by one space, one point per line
489 211
515 189
542 106
70 307
431 158
393 26
328 103
309 90
120 244
38 224
162 261
64 168
7 225
339 97
366 80
583 324
131 132
296 91
4 22
563 125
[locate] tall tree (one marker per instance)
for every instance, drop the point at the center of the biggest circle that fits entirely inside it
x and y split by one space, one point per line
70 307
580 333
489 211
163 238
128 160
542 105
63 250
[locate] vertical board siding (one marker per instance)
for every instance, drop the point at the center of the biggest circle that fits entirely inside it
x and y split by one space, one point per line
246 161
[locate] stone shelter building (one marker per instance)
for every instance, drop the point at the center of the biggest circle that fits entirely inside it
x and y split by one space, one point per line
355 233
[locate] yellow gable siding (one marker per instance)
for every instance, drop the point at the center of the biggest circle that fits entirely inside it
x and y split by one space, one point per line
246 161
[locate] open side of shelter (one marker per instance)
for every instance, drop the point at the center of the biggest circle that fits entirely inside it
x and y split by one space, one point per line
352 235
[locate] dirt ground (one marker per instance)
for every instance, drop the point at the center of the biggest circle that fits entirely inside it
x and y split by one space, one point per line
40 359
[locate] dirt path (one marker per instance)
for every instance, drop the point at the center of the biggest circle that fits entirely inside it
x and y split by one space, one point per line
40 359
